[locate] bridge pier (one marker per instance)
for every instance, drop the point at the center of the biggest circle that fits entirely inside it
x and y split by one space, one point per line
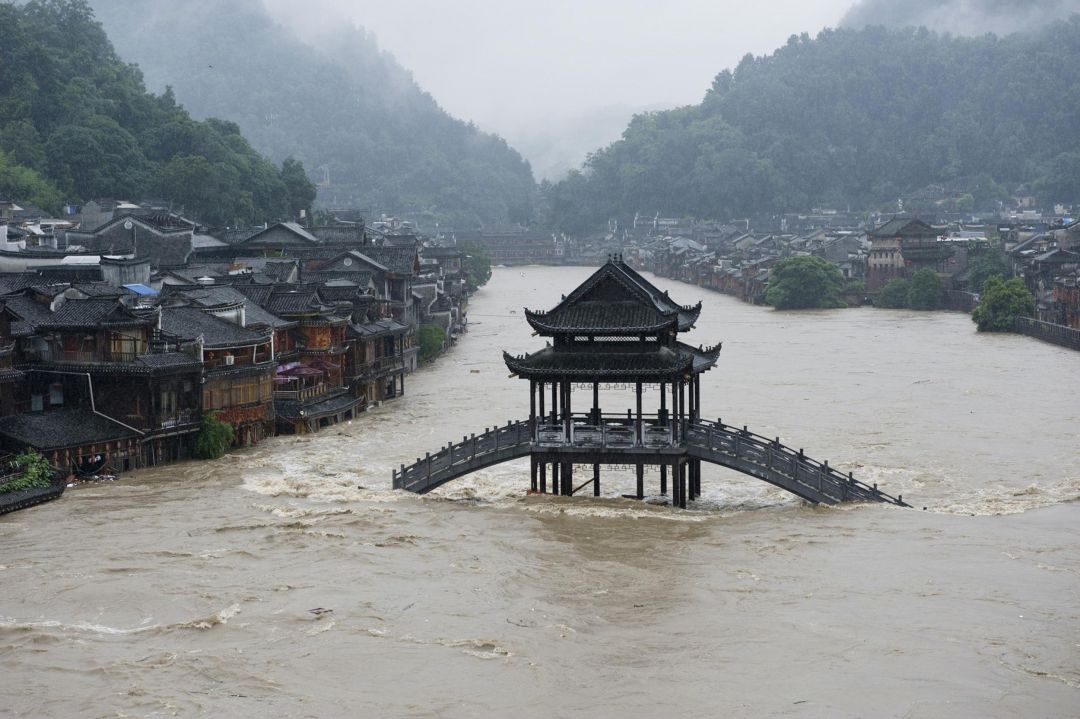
596 480
533 484
568 479
640 480
663 479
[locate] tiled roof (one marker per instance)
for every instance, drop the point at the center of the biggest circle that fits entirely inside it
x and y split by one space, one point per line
259 294
399 260
62 428
604 317
216 296
903 226
614 360
300 301
615 299
339 402
257 316
27 309
92 313
378 328
602 365
187 323
169 360
16 281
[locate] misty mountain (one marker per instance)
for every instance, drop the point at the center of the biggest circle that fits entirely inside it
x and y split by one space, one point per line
76 123
563 144
851 118
961 17
363 128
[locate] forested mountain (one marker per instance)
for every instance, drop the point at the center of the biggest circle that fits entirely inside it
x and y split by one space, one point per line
851 118
349 111
77 123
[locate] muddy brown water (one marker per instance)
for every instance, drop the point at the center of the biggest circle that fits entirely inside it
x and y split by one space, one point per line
187 590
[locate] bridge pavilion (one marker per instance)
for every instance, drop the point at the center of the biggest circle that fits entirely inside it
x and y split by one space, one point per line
616 330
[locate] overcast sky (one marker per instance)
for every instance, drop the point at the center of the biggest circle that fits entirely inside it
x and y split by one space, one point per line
510 65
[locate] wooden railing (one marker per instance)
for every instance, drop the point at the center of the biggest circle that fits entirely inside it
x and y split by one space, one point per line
1048 332
494 445
302 395
781 465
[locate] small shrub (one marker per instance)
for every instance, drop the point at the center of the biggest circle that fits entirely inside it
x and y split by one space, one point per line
431 339
894 295
37 474
215 437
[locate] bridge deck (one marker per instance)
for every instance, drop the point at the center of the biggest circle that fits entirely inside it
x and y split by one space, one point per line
714 442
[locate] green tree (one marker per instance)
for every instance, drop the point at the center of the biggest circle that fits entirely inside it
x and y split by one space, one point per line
988 265
894 295
21 183
432 338
36 473
476 265
803 283
1001 303
925 290
215 437
300 191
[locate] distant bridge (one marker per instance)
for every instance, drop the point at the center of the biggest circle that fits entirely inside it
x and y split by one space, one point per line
610 443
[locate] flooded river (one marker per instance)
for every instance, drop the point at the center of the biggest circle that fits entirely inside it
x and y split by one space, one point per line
187 590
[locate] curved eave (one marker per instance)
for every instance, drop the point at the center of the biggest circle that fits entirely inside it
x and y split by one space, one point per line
536 321
688 317
704 357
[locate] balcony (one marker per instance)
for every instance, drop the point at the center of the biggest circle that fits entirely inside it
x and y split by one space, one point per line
381 367
50 354
179 418
622 435
303 394
933 251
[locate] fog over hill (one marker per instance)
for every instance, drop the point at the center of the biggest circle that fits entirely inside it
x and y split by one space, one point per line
961 17
364 129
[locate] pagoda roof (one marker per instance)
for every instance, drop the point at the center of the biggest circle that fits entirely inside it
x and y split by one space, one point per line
615 300
626 361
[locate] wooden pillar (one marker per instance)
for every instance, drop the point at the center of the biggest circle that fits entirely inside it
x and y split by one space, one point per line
532 406
697 398
639 432
663 479
543 477
534 485
555 486
674 408
568 410
640 480
596 402
663 398
682 485
540 392
596 480
554 402
567 479
690 399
